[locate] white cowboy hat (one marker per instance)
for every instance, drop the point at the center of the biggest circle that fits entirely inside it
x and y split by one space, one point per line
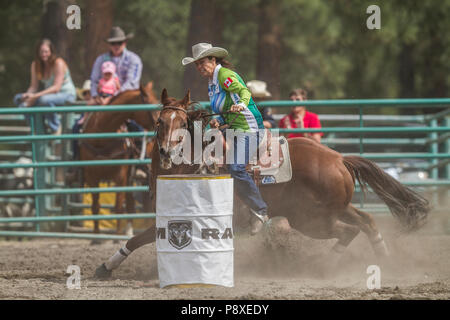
86 87
201 50
258 89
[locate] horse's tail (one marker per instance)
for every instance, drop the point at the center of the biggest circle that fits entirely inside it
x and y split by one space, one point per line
410 208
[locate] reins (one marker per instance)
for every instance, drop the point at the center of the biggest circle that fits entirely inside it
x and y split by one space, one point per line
205 115
227 125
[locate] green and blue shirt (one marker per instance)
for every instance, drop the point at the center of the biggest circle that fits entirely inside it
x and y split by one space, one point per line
226 89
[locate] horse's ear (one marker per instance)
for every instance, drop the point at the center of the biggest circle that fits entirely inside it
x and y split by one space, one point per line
164 97
143 91
149 86
187 98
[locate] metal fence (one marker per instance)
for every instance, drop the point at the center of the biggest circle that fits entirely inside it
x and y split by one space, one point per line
431 133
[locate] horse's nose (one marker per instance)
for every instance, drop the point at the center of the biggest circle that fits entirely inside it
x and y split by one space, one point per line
162 151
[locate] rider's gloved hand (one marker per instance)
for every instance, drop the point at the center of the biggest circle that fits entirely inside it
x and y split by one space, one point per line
236 108
214 123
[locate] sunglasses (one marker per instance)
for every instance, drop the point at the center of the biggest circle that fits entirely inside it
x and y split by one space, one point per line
116 43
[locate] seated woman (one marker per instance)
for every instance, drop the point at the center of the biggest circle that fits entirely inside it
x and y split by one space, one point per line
53 74
301 118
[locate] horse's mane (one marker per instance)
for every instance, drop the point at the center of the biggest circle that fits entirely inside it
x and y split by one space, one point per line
125 95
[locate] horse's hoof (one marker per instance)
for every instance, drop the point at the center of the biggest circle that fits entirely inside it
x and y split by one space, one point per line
103 273
95 242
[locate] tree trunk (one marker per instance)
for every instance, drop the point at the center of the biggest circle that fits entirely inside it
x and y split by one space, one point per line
99 21
406 72
54 26
437 72
205 25
269 46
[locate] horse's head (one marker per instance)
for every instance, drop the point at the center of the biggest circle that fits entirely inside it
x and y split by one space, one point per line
173 116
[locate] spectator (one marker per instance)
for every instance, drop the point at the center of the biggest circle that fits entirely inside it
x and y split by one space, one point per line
301 118
53 74
128 65
109 85
259 92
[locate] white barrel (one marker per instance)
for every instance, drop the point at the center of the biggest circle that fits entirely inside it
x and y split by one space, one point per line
194 235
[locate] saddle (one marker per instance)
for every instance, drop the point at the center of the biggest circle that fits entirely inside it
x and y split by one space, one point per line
274 164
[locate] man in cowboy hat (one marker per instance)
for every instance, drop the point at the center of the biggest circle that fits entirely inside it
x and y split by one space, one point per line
128 64
259 92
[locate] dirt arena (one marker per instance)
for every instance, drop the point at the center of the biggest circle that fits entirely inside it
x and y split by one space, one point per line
266 267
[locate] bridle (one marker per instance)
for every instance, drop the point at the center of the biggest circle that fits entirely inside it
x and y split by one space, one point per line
157 125
174 108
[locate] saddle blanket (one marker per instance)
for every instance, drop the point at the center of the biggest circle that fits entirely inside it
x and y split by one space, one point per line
274 168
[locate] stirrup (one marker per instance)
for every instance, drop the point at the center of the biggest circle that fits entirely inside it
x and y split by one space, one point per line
257 222
262 218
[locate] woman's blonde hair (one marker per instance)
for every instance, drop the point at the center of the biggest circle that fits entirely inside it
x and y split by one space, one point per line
38 63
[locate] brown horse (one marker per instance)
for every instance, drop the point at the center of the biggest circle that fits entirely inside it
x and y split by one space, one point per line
317 199
100 149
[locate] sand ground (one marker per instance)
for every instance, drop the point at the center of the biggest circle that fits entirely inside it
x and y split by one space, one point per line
289 266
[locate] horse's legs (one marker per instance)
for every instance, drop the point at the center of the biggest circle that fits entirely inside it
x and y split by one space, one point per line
131 208
118 209
121 180
333 228
143 238
148 236
345 234
95 210
367 224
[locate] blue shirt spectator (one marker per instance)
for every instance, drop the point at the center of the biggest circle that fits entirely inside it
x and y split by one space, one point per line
128 64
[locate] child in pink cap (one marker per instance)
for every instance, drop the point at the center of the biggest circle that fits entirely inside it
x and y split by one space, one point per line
109 85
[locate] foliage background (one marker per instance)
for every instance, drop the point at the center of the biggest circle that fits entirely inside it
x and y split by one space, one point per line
325 45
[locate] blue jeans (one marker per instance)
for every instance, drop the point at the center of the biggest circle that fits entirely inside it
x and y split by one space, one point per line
133 126
48 100
244 185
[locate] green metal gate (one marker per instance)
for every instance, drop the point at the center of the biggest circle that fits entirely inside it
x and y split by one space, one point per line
433 130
